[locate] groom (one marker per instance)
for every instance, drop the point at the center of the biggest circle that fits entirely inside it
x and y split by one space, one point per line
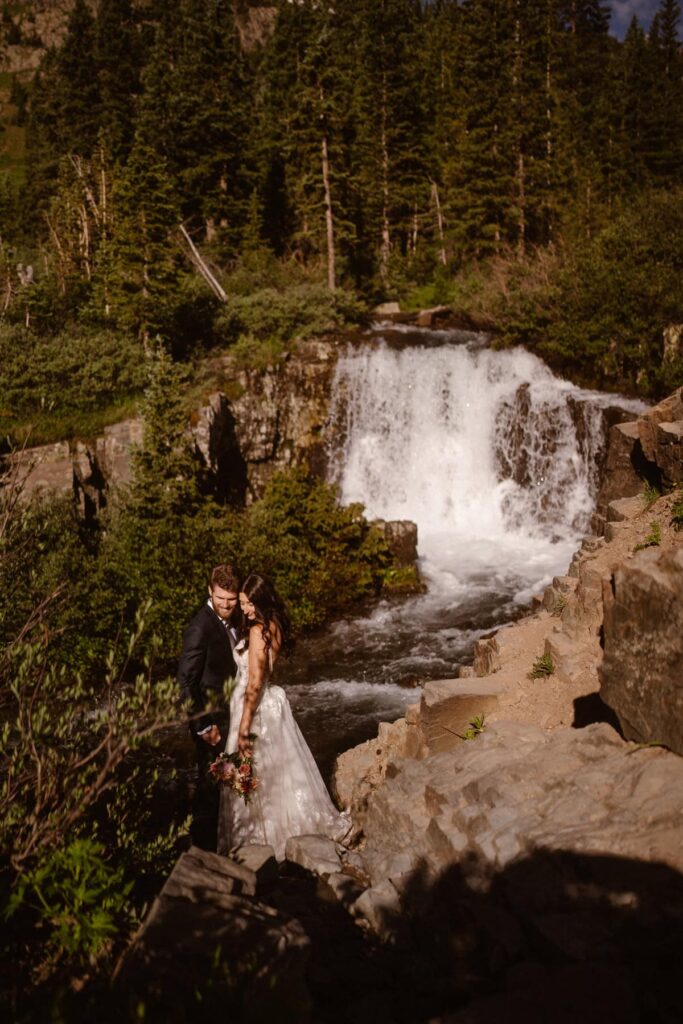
205 664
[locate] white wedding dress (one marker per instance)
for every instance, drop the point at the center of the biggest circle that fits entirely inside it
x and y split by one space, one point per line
291 798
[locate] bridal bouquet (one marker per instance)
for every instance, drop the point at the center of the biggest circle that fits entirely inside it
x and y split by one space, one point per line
237 771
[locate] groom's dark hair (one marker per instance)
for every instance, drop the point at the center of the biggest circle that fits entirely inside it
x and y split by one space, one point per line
225 577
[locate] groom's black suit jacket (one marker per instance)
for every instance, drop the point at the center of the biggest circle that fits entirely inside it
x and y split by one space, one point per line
205 664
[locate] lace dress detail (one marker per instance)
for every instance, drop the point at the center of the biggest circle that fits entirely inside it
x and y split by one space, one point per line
291 799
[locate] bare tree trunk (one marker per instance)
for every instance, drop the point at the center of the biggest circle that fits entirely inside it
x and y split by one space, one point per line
520 175
439 223
385 247
85 241
202 267
549 125
329 219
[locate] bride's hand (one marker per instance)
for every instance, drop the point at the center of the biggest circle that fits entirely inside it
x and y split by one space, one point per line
244 744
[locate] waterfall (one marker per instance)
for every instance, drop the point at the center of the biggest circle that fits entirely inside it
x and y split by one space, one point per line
490 454
497 462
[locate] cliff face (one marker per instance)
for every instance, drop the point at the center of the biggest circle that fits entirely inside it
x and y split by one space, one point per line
39 25
276 420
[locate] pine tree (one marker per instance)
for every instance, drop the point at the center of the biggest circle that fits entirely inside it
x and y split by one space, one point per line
195 108
78 85
665 130
482 185
119 58
138 270
164 468
393 176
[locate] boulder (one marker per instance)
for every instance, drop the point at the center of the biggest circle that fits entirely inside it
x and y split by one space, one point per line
642 672
243 957
430 317
314 853
358 771
401 538
380 906
620 477
623 509
516 788
260 859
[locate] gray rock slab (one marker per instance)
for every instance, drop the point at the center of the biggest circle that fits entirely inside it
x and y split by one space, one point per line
642 671
199 874
624 508
519 788
261 860
199 936
448 706
314 853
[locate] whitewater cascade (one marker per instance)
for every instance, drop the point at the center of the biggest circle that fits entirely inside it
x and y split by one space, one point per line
487 451
496 460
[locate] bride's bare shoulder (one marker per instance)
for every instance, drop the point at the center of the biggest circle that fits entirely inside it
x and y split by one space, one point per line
258 638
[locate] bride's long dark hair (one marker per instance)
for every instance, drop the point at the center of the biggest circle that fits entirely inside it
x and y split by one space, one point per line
270 608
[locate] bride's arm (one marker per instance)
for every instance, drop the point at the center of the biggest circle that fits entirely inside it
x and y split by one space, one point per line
258 659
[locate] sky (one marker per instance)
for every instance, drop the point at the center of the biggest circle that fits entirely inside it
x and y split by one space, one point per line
623 11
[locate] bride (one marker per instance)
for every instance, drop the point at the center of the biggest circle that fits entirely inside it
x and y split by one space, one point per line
291 798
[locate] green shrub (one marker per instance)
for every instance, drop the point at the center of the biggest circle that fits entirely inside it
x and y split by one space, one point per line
79 899
542 667
677 514
613 298
300 311
653 539
323 556
52 378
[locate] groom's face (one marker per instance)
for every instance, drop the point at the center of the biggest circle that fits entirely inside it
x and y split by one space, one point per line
224 601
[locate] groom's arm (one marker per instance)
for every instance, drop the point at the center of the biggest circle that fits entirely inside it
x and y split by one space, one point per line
190 671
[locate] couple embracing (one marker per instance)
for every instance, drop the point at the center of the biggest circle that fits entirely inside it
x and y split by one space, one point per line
240 632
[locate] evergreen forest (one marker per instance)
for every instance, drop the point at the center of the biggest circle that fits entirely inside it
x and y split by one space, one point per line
510 158
178 179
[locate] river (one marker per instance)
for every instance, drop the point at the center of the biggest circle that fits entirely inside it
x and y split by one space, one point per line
497 461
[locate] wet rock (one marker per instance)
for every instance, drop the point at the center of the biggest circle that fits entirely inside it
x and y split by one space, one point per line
620 477
401 538
642 671
649 449
280 412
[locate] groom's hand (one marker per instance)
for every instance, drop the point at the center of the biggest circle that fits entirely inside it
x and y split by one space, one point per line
212 736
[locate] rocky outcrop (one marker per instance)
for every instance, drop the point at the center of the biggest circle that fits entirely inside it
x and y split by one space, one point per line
280 412
518 788
646 450
275 420
85 468
642 671
206 933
